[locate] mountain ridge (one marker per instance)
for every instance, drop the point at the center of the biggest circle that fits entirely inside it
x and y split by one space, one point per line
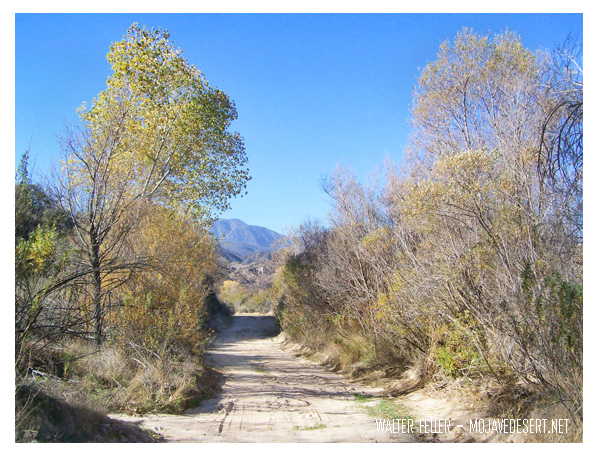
239 239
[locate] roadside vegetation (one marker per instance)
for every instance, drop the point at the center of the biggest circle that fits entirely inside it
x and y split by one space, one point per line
245 299
462 267
116 272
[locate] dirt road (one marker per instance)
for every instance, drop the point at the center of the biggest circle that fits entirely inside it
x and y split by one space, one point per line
271 395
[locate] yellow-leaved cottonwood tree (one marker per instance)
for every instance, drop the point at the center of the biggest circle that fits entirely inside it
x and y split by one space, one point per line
157 134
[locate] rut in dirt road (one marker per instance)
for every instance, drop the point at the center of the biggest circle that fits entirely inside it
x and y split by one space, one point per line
271 395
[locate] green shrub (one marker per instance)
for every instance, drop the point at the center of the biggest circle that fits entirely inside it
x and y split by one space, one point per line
458 352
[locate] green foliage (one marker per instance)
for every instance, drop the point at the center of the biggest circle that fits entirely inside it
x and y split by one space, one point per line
298 308
34 208
555 298
22 176
37 255
457 358
310 427
388 409
360 398
157 136
41 262
552 322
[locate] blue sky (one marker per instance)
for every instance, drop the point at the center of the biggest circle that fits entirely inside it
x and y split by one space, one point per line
312 90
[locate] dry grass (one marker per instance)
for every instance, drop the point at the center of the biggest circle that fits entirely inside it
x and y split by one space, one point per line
487 398
124 379
555 412
44 417
483 396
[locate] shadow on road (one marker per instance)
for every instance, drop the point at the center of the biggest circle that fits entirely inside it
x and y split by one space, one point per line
250 327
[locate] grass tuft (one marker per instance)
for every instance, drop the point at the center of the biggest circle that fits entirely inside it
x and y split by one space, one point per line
310 427
388 409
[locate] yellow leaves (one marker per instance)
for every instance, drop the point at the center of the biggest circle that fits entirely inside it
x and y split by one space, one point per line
468 170
230 287
382 308
456 179
166 303
377 240
161 119
478 93
37 254
183 249
422 203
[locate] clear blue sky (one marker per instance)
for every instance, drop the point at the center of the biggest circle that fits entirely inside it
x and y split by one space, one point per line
312 90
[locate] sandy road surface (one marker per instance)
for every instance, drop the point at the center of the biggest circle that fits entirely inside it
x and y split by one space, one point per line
271 395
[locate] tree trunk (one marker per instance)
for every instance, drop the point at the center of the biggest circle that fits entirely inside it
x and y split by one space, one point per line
97 290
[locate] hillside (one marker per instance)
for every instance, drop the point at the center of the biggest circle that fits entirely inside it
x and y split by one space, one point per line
239 239
245 251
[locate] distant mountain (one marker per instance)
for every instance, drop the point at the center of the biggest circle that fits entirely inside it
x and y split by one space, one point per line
240 239
245 252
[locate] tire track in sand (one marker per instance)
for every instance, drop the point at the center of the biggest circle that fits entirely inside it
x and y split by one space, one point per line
271 395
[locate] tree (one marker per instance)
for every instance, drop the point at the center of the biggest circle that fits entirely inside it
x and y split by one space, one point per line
41 271
497 243
561 145
34 207
164 306
462 265
158 133
480 94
